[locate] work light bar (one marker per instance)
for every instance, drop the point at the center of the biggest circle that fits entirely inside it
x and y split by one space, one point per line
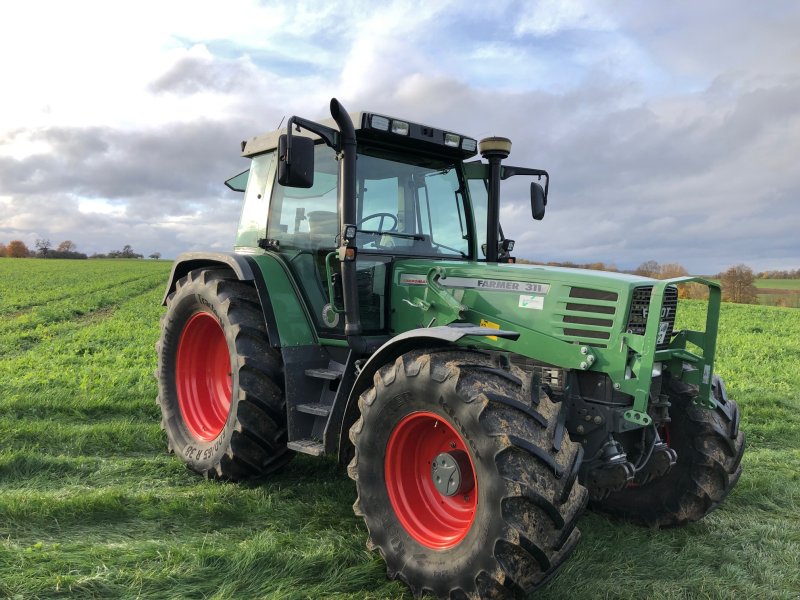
383 129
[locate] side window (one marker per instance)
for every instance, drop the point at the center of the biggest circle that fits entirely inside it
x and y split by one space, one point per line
307 218
480 205
253 220
444 218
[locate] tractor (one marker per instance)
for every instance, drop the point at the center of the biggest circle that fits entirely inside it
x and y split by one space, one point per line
372 311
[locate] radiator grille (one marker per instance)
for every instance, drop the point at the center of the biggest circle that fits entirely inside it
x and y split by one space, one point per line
637 318
589 316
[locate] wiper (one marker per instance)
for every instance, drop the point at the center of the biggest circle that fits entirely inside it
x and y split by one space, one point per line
407 236
438 245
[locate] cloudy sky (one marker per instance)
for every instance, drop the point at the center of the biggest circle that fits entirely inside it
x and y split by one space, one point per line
671 129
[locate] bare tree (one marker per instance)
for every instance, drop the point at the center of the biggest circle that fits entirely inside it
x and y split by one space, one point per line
648 269
67 246
737 285
670 270
43 246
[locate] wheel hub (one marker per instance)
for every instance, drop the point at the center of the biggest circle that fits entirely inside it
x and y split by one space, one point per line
451 473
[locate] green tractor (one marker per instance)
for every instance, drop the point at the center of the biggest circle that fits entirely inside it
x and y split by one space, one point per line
372 311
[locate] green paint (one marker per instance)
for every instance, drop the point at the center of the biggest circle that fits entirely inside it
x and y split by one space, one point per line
293 320
535 301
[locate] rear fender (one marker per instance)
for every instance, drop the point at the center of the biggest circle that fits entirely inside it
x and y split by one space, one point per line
242 266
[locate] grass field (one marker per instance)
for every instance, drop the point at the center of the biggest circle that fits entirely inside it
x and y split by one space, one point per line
778 292
778 284
92 506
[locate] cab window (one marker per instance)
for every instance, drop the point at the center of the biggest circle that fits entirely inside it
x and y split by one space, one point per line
410 208
307 218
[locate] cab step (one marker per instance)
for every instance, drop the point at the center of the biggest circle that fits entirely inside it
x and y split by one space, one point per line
312 447
329 374
321 410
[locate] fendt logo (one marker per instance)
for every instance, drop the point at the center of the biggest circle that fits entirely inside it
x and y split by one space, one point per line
665 312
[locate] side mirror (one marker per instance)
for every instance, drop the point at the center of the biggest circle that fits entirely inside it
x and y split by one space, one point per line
296 163
538 201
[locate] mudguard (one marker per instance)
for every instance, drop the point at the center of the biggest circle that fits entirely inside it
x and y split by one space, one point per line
243 267
400 344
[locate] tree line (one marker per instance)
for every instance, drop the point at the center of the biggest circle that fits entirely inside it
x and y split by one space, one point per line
737 281
66 249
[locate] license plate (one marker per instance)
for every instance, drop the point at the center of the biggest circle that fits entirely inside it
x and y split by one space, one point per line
663 328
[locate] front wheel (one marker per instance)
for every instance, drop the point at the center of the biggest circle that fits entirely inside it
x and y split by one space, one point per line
219 381
710 448
466 480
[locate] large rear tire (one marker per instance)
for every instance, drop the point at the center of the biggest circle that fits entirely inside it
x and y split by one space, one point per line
220 383
710 448
466 480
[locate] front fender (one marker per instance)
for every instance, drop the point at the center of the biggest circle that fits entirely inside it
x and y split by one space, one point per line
398 345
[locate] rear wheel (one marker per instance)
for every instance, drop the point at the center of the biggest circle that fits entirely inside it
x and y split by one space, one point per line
219 381
466 479
709 446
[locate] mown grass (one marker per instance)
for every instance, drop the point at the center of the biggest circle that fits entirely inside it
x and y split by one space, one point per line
91 506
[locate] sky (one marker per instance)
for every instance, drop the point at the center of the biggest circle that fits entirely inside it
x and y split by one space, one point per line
671 130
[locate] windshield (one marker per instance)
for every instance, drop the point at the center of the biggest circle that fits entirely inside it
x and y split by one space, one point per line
414 208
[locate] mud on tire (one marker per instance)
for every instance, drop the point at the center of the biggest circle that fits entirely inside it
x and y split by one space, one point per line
220 383
709 446
524 465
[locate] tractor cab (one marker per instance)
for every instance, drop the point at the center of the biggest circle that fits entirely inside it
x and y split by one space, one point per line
415 194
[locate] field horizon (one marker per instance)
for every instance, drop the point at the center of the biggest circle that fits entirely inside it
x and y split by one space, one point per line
93 506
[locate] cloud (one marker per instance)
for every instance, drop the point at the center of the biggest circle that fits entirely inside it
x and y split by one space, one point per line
665 138
549 17
201 72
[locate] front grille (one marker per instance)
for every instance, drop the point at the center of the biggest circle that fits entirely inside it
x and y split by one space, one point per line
637 318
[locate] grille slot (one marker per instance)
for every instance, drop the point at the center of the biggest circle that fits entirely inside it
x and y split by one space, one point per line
637 318
603 310
590 294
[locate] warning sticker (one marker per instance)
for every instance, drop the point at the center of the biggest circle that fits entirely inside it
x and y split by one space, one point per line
490 325
533 302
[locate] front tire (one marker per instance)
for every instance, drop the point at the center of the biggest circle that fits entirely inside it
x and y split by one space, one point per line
507 522
710 448
219 381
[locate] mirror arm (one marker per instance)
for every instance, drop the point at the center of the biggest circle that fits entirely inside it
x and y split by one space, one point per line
328 135
509 171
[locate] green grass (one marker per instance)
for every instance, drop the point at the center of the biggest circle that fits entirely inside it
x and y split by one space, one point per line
92 506
778 284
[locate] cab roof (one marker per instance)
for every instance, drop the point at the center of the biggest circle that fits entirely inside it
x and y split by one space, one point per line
383 131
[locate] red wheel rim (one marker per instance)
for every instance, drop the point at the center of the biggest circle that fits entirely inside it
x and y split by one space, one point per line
203 376
432 519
